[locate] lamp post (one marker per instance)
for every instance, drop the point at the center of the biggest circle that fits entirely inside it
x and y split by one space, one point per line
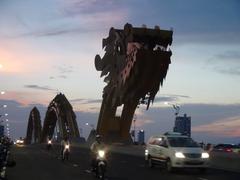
134 128
3 106
176 107
91 125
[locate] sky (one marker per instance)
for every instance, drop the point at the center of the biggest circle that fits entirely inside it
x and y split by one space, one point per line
48 46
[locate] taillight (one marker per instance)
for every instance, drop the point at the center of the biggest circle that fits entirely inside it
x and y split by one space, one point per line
228 150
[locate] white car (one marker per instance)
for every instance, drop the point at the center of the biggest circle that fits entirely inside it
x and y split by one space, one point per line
19 142
174 150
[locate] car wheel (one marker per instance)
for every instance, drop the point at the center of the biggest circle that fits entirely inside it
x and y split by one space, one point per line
169 165
150 163
202 170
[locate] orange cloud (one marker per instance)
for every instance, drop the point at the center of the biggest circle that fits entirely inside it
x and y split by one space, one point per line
17 57
229 127
25 98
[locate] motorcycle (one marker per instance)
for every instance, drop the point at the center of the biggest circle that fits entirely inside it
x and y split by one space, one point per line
4 157
49 144
101 164
65 152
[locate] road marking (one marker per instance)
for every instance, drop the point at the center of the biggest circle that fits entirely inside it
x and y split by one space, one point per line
202 178
75 165
88 171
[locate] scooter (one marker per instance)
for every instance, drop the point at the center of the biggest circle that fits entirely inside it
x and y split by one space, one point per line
66 151
49 145
101 164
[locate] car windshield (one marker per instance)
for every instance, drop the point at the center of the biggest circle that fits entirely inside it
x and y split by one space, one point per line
182 142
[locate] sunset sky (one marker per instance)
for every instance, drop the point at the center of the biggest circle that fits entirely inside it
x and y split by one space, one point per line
48 46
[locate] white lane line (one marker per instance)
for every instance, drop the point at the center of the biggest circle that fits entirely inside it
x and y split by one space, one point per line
88 171
75 165
202 178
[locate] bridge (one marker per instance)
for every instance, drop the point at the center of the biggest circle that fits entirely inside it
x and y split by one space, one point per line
60 120
60 117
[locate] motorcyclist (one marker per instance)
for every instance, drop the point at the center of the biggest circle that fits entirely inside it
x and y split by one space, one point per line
64 142
95 147
49 142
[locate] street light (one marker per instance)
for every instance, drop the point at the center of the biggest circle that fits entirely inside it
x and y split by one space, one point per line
91 125
175 106
3 115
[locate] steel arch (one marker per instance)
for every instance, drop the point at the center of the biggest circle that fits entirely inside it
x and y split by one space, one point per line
60 114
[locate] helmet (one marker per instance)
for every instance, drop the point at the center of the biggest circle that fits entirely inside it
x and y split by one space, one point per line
98 137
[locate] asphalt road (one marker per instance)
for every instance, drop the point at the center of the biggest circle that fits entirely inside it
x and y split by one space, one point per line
36 163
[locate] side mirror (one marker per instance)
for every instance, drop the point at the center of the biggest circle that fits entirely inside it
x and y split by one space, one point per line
164 145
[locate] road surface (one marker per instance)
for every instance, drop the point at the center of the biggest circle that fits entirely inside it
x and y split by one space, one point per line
34 162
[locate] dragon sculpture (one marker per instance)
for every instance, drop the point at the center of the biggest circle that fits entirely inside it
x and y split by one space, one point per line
135 63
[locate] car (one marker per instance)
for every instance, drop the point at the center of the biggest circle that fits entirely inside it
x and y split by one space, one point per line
174 150
226 148
19 141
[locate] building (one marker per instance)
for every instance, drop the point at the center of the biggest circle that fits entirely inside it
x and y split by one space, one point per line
1 130
183 125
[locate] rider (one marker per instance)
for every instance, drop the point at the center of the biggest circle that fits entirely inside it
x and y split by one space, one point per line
64 142
96 145
49 140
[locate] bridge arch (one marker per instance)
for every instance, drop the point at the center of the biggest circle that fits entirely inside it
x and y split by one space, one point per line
34 127
61 118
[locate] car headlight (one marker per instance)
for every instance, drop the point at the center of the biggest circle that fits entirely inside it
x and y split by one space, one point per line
205 155
146 152
101 154
179 155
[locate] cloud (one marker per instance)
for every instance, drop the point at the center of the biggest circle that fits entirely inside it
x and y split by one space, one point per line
219 61
76 7
230 71
230 56
86 101
76 17
94 14
45 88
63 71
140 123
63 76
25 98
229 127
209 38
169 98
56 31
